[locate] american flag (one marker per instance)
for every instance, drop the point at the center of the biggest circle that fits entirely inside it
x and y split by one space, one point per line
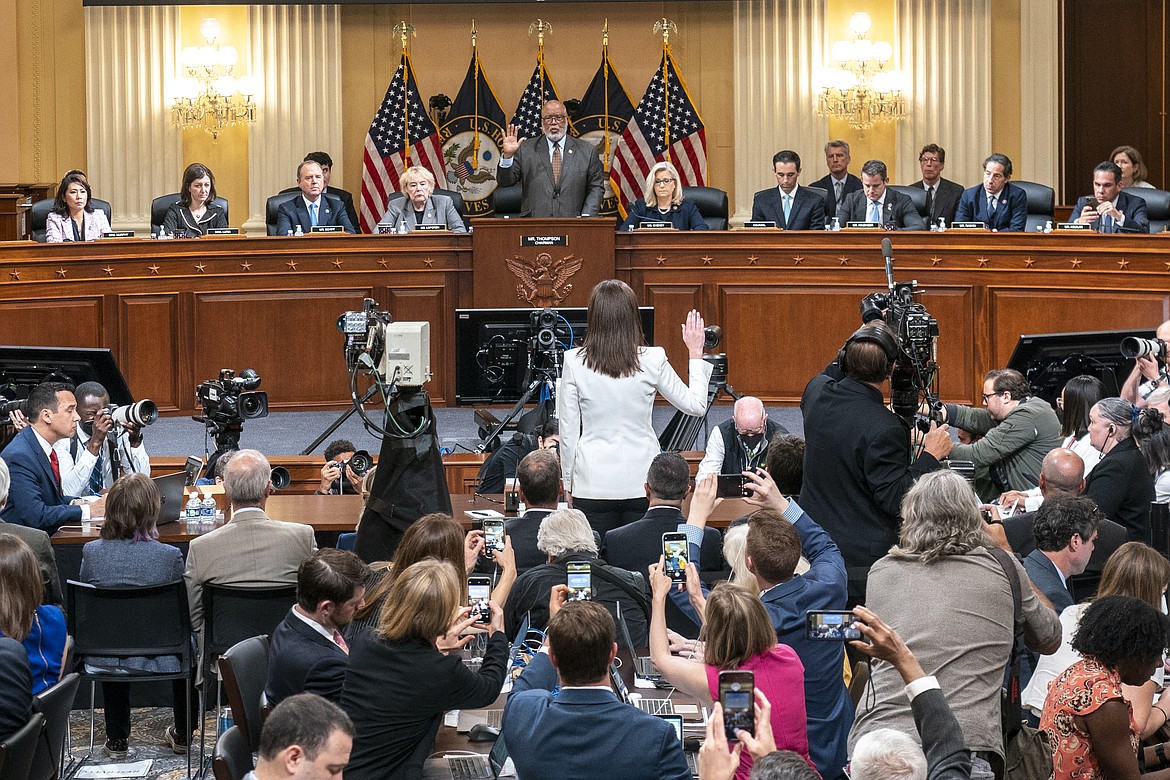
644 141
401 117
540 90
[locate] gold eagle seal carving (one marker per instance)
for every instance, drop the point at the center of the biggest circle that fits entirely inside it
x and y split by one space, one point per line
543 280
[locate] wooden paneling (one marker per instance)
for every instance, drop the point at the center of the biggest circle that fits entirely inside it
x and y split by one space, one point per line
672 303
148 327
50 321
428 303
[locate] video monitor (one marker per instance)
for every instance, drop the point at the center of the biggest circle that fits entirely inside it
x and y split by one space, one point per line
23 367
1049 360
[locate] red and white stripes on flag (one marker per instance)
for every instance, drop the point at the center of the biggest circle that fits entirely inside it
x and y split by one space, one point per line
665 125
400 119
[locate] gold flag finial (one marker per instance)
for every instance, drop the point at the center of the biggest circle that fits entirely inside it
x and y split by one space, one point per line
405 30
665 27
540 27
474 34
605 33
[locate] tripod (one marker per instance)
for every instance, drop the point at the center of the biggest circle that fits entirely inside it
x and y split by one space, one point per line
325 434
545 408
682 431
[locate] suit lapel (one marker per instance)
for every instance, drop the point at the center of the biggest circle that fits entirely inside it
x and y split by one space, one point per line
42 461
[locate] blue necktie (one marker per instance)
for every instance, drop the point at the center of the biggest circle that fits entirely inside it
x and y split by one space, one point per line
875 212
991 205
787 207
97 477
312 215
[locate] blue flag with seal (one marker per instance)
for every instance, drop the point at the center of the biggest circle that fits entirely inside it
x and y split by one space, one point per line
471 139
603 114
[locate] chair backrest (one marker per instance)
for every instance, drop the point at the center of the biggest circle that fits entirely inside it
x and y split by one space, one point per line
460 206
243 670
233 756
1157 206
712 205
829 202
55 704
917 196
275 203
38 216
129 621
17 751
1041 203
233 614
507 201
860 677
347 541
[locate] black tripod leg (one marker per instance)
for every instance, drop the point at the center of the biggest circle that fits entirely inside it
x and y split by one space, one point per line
339 422
515 410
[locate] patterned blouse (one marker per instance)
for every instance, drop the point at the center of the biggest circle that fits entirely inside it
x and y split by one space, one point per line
1080 690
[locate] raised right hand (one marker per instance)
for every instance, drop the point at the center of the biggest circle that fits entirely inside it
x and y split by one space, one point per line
510 142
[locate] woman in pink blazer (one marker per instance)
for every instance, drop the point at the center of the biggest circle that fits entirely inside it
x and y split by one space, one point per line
73 218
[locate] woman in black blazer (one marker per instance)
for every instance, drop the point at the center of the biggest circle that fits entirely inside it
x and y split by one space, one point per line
196 212
1121 483
662 201
400 679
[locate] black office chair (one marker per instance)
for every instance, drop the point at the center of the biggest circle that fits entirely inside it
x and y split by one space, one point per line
1041 204
160 205
55 704
233 756
1160 526
274 203
456 200
1157 206
130 621
824 196
17 752
917 196
38 216
507 201
243 670
712 205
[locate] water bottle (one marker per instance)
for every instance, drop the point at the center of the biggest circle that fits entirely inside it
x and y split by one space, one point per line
298 231
226 721
207 512
162 232
942 225
191 513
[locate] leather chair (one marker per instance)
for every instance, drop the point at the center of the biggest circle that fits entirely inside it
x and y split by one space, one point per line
160 205
275 203
1157 206
18 750
38 216
507 200
233 756
712 204
1041 204
243 669
55 704
917 196
826 197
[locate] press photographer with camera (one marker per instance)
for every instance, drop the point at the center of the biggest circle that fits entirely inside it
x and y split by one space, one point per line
342 454
86 465
1149 370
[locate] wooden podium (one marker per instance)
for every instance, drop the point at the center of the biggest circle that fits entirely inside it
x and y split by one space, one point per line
540 262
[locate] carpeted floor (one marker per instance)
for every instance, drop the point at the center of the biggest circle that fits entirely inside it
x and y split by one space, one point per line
146 742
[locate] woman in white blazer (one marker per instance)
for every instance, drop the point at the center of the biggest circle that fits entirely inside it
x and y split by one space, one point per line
73 217
605 404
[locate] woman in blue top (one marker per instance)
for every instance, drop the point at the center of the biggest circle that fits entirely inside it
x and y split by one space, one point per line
662 201
39 627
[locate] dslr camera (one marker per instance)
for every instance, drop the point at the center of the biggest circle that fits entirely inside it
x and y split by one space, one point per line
1133 347
232 399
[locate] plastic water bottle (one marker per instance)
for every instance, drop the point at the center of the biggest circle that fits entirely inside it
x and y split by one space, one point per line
162 232
207 512
942 225
191 513
226 721
298 231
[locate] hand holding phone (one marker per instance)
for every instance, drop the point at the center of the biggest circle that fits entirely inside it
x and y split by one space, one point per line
831 626
580 581
479 593
731 486
493 537
675 555
737 698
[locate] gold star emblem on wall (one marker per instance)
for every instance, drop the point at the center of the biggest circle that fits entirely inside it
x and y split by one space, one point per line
1123 263
1076 262
707 259
337 263
983 261
1029 262
200 267
109 271
15 275
292 265
935 261
661 260
246 265
752 259
843 260
61 272
798 260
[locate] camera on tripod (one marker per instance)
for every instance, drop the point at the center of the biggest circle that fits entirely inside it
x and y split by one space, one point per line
398 352
232 399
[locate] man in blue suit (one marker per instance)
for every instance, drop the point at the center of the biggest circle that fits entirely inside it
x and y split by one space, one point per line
1109 209
584 731
1065 532
315 207
35 498
995 203
786 204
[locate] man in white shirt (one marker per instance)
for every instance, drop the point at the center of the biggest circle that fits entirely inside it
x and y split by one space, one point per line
314 207
305 737
87 467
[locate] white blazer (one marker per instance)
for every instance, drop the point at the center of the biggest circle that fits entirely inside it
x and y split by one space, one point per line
606 431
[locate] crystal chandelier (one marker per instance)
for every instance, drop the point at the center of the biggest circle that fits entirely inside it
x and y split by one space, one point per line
860 89
209 95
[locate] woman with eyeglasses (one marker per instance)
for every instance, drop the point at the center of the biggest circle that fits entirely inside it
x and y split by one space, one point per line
1121 483
662 201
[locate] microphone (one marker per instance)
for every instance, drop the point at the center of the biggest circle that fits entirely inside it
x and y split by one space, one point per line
888 254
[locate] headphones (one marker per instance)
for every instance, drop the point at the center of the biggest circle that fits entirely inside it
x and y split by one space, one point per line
875 332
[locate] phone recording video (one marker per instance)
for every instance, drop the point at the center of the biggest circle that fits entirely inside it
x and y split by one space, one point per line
831 626
479 592
580 582
737 697
731 486
493 538
674 552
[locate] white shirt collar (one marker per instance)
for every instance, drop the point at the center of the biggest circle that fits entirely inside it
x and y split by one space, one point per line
319 201
789 194
313 624
45 446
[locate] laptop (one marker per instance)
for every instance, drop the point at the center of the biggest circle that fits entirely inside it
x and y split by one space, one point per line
470 766
692 759
170 490
645 669
643 666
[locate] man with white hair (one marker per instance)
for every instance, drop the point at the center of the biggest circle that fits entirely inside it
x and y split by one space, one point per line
739 444
566 537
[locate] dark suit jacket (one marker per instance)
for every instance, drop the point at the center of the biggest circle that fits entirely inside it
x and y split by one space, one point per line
947 757
897 210
807 213
293 212
1123 488
684 216
636 546
852 184
38 540
300 660
522 531
347 201
1011 215
1131 206
946 199
1110 536
15 686
1046 578
583 734
34 497
581 187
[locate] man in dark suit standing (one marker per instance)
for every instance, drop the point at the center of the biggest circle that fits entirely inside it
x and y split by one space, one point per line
561 176
786 204
1109 209
35 498
326 162
1065 531
942 195
314 207
995 203
539 477
584 731
839 182
877 203
308 653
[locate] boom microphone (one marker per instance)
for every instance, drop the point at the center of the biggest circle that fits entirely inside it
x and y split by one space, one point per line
888 254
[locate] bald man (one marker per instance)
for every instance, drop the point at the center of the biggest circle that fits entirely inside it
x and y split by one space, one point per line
1149 374
740 443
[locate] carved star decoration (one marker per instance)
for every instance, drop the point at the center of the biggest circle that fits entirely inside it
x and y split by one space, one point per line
109 271
292 265
246 265
1123 263
61 272
1076 262
661 260
707 259
337 263
15 275
983 261
429 263
1029 262
200 267
936 261
797 260
383 262
154 269
752 259
843 260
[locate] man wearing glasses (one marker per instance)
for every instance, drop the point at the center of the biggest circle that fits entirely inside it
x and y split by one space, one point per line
1017 429
561 176
942 195
739 444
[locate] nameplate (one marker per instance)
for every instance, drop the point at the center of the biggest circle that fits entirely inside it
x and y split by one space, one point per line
384 229
118 234
1074 226
431 228
863 225
655 225
223 231
968 226
544 240
327 229
760 224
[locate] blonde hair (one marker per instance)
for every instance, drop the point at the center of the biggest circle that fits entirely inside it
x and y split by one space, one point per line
734 544
421 602
416 173
736 627
648 191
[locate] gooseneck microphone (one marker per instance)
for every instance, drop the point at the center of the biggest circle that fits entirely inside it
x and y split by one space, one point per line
888 254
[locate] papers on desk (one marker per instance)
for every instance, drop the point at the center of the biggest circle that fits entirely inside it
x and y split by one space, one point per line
98 771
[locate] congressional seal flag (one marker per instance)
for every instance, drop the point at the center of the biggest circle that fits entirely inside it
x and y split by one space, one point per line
666 126
471 139
401 135
539 91
603 114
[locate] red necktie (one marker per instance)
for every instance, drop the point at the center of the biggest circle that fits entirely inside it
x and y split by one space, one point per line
56 467
339 640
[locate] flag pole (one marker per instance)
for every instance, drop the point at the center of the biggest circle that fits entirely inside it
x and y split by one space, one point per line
404 30
475 125
605 80
665 26
540 27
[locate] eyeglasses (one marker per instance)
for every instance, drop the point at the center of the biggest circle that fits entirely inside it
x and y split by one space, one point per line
663 181
929 160
555 119
992 395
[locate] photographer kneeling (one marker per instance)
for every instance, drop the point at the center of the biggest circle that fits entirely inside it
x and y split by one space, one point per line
338 455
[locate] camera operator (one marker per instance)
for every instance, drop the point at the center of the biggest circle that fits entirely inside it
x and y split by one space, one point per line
739 444
86 466
501 465
857 462
339 451
1149 373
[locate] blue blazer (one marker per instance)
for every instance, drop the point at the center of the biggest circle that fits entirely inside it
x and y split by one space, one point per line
34 498
807 213
1044 576
1011 215
300 660
684 216
1137 219
293 212
583 734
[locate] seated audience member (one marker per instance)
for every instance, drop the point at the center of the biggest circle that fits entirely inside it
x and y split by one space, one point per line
877 203
337 452
539 478
308 654
251 548
314 207
505 459
838 182
1108 209
1148 374
786 204
739 444
1121 484
565 537
304 738
73 217
326 162
420 205
662 201
38 542
84 458
997 203
1135 570
1090 729
785 463
1153 439
196 212
1017 428
637 546
39 627
737 634
399 682
942 551
1133 168
15 685
1065 531
942 195
128 554
583 731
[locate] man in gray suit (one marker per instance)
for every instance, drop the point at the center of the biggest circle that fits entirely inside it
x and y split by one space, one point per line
1065 532
561 176
35 538
875 202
